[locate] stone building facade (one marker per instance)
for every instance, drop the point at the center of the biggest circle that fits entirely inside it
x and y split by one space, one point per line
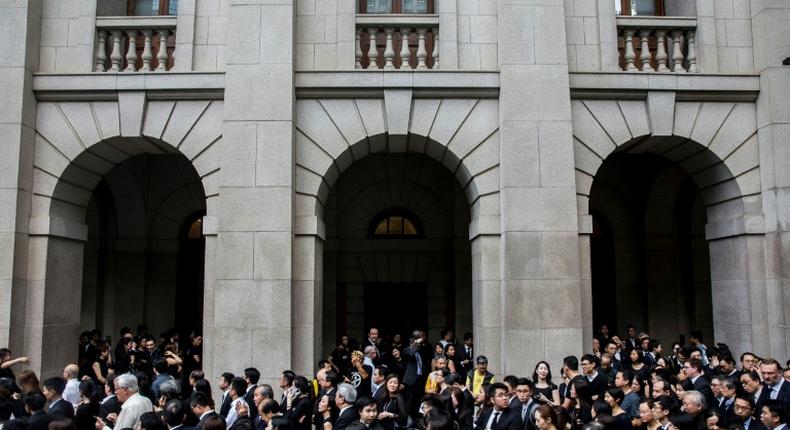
279 172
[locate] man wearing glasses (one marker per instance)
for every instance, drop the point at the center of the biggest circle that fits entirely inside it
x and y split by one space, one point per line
133 405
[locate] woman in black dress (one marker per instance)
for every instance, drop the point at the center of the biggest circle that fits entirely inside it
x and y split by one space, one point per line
545 391
88 408
392 405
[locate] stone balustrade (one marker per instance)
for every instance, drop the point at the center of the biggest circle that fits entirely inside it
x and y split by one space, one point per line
403 42
657 44
132 43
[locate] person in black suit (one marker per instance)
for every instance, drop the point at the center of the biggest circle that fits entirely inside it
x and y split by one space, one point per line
415 373
774 414
173 415
524 404
744 410
345 396
110 404
726 406
251 375
224 385
53 389
368 411
696 381
776 387
298 408
466 354
201 406
499 417
34 404
597 380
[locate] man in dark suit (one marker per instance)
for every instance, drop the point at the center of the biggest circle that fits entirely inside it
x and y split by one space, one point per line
173 415
251 375
34 404
744 409
524 403
201 406
368 411
696 381
726 405
499 417
466 354
53 390
345 396
414 373
775 385
597 380
224 385
110 404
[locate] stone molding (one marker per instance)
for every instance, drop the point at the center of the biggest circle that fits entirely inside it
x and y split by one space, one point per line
687 87
106 86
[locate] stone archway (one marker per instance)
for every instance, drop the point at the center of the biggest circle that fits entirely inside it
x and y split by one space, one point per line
77 146
332 134
715 143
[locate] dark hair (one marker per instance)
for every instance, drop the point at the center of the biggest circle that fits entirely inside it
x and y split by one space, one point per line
55 384
331 377
548 413
591 359
239 385
467 336
601 407
269 405
215 422
252 374
571 362
197 375
535 372
627 375
696 334
510 380
289 376
227 376
199 399
300 383
173 413
496 386
617 394
748 399
204 386
439 419
668 404
160 365
89 390
451 379
35 401
362 402
151 421
697 364
525 381
776 407
683 421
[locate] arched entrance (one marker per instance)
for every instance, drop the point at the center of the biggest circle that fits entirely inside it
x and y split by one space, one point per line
669 200
397 254
119 193
649 257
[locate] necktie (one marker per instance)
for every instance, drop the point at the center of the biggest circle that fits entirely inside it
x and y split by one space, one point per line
469 352
523 412
494 421
774 393
419 363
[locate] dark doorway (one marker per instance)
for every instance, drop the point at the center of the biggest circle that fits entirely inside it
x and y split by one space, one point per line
396 308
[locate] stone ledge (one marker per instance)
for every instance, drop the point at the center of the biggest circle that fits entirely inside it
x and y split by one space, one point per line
744 225
372 83
688 87
106 85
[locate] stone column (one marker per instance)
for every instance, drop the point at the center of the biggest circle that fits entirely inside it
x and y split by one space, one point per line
771 45
541 290
19 59
253 293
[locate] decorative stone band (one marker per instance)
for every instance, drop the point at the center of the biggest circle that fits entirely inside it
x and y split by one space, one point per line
131 43
657 44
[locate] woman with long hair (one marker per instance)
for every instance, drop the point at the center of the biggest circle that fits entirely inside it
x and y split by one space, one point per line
546 418
452 358
581 413
299 407
392 405
28 382
545 391
101 365
460 411
88 407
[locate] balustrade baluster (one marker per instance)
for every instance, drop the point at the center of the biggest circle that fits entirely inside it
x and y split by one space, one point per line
661 51
358 50
116 58
435 48
677 53
630 55
692 50
389 51
405 52
161 55
645 57
373 50
101 52
148 53
422 54
131 53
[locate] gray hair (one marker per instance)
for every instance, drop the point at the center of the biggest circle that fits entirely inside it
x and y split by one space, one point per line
170 388
266 391
369 350
128 381
696 397
347 392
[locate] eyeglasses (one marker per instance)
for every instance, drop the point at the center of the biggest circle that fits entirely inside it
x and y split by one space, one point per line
500 394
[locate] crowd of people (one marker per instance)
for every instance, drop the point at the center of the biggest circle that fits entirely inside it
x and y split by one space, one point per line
625 382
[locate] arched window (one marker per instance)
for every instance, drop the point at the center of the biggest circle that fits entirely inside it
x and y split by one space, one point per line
395 223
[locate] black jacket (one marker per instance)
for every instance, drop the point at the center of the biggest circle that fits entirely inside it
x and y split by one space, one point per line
346 418
510 419
61 408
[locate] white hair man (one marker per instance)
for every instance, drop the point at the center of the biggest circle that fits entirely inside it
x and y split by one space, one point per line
133 405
